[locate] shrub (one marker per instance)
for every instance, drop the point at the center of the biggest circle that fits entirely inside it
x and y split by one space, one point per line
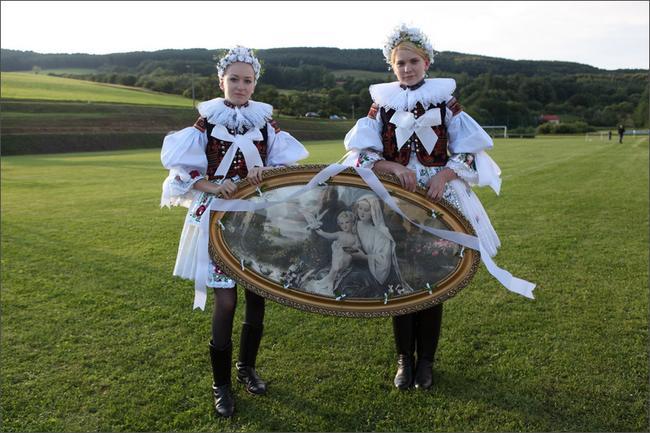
576 127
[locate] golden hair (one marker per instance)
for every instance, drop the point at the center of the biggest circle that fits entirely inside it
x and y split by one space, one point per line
345 214
410 46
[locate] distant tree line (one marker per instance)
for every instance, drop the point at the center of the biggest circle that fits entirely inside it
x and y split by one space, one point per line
299 80
330 58
599 100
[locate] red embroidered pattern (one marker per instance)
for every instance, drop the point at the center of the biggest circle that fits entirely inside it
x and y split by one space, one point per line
275 126
372 113
216 149
438 156
454 106
200 124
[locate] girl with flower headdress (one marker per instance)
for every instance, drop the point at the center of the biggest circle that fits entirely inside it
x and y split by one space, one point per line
416 130
233 138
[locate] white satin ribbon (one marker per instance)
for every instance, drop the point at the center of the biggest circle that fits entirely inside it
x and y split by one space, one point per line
202 263
243 142
510 282
407 124
488 171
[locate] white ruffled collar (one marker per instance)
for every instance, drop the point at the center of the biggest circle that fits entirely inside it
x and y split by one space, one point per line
433 91
254 115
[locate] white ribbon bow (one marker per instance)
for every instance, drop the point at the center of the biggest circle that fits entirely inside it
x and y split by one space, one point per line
407 124
252 158
239 142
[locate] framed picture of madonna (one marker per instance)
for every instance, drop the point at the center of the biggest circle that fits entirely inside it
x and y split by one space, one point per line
336 247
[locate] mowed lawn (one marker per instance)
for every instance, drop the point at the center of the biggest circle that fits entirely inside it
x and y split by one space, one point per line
98 336
22 85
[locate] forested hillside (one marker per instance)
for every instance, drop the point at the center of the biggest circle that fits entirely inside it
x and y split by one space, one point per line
335 81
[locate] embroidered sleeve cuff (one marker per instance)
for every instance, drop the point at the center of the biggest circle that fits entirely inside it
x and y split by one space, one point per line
368 158
464 167
178 187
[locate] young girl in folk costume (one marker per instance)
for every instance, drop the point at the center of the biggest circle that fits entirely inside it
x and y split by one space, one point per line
233 138
417 131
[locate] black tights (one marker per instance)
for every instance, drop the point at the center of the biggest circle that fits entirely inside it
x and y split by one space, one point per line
223 313
422 327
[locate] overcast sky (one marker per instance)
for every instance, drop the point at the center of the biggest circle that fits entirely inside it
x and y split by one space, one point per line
608 35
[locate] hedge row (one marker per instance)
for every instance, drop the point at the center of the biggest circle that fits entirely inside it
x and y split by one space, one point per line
22 144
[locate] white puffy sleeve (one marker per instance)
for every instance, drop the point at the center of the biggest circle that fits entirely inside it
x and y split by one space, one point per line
183 154
468 143
363 141
284 149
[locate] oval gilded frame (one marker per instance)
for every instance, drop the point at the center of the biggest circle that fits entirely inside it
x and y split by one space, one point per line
223 255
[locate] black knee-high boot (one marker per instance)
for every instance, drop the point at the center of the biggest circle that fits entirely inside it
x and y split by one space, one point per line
405 344
221 368
427 334
248 347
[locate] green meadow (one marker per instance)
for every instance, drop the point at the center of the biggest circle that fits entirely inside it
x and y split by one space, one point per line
44 114
21 85
98 336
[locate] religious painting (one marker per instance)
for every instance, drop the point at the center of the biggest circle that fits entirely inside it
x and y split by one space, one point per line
338 248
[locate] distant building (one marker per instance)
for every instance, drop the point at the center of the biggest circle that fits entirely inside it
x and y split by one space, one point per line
550 118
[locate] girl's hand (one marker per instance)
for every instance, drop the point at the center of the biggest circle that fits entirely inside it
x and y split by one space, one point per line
406 176
438 183
255 175
227 188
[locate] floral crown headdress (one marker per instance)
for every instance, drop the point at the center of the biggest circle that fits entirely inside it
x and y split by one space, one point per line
403 33
239 54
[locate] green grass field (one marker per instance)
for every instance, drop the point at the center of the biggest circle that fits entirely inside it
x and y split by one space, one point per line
98 336
20 85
